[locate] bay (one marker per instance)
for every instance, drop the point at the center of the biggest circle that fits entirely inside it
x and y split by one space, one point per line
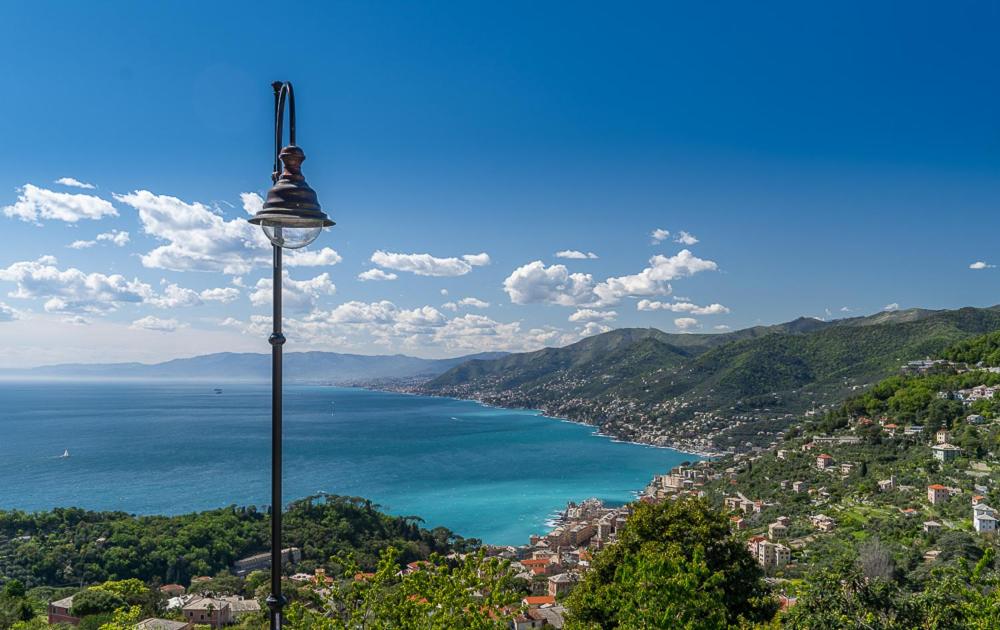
176 447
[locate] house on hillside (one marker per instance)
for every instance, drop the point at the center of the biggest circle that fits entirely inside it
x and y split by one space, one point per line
942 436
59 612
937 494
945 452
824 462
162 624
984 519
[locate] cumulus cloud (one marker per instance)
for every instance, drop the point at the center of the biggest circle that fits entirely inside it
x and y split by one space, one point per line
76 320
155 323
575 254
175 296
590 315
376 275
891 307
75 183
197 239
296 295
469 302
321 258
223 294
71 290
686 323
979 264
654 279
721 327
536 283
685 238
35 204
252 202
659 235
427 265
682 307
115 237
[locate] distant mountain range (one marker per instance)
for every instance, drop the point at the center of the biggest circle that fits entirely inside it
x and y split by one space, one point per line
648 385
306 367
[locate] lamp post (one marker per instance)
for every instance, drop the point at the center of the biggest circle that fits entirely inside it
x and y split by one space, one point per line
291 218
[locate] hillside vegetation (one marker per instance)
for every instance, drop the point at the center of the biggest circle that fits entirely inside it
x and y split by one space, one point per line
646 385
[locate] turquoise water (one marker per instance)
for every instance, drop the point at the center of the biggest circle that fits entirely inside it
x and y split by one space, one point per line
167 448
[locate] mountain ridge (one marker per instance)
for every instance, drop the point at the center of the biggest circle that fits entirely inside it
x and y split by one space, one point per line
676 389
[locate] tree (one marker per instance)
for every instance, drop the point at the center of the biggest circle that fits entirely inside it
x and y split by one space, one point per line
675 563
96 601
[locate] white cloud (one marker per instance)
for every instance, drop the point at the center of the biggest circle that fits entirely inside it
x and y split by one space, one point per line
376 275
981 265
686 323
71 290
8 314
223 294
427 265
296 295
444 291
303 258
721 327
685 238
116 237
594 328
659 235
845 309
653 280
682 307
155 323
575 254
81 244
477 260
34 204
175 296
590 315
76 320
891 307
536 283
470 302
71 181
252 202
197 238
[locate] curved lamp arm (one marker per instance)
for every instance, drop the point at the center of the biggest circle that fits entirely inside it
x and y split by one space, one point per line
282 90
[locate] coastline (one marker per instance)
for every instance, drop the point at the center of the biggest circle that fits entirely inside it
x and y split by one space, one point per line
673 446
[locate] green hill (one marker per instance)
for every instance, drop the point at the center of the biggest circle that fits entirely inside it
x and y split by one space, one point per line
653 386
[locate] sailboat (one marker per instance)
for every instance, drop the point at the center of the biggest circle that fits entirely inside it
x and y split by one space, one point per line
65 454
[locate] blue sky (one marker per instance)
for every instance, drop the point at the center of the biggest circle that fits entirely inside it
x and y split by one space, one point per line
824 158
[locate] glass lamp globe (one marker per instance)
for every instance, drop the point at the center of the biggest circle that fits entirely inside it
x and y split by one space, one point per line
290 237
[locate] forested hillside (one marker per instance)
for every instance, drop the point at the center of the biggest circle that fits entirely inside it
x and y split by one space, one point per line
651 386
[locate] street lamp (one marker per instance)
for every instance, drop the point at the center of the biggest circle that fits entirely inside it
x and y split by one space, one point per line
291 218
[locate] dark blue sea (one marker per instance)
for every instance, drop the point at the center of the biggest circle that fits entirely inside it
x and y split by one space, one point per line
167 448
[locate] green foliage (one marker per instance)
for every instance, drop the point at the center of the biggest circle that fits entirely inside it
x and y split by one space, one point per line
676 563
474 593
96 601
73 546
985 349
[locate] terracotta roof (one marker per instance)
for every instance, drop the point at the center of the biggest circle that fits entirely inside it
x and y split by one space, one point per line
937 486
539 600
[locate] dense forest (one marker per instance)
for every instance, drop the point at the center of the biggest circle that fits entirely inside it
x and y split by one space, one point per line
69 546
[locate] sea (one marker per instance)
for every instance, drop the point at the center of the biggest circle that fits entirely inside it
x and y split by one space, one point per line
175 447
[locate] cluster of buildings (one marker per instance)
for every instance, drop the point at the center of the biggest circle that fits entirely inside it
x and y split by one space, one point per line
197 610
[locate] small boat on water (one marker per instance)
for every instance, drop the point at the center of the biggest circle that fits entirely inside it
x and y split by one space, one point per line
65 454
218 390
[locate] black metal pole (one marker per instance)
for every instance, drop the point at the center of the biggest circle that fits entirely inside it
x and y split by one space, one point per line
275 600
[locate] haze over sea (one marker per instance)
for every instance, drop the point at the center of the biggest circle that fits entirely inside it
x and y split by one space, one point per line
175 447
